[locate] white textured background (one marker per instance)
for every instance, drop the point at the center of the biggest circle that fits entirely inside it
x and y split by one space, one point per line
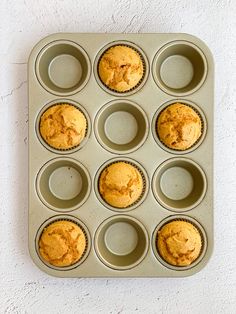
23 287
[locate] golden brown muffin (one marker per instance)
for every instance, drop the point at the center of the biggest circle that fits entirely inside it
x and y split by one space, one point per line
120 68
179 126
120 184
179 243
62 243
63 126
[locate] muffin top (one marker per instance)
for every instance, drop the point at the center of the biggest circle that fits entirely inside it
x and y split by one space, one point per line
120 184
179 243
179 126
120 68
63 126
62 243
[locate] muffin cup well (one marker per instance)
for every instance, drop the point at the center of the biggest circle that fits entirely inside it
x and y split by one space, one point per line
179 68
63 184
196 224
203 126
121 242
145 68
133 163
121 126
64 218
63 67
65 150
179 184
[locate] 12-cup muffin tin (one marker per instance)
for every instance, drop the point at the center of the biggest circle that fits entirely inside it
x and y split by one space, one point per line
63 184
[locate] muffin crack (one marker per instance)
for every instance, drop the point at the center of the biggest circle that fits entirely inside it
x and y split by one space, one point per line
179 243
62 244
179 126
120 68
177 255
126 189
63 126
120 184
119 73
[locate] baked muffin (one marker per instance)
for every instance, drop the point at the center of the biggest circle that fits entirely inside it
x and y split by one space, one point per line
120 184
63 126
179 126
62 243
120 68
179 243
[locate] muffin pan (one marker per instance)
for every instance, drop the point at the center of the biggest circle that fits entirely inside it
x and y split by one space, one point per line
121 126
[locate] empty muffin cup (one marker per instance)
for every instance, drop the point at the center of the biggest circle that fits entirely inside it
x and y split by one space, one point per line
121 184
179 68
63 126
121 68
121 126
121 242
183 242
182 126
63 67
63 242
63 184
179 184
